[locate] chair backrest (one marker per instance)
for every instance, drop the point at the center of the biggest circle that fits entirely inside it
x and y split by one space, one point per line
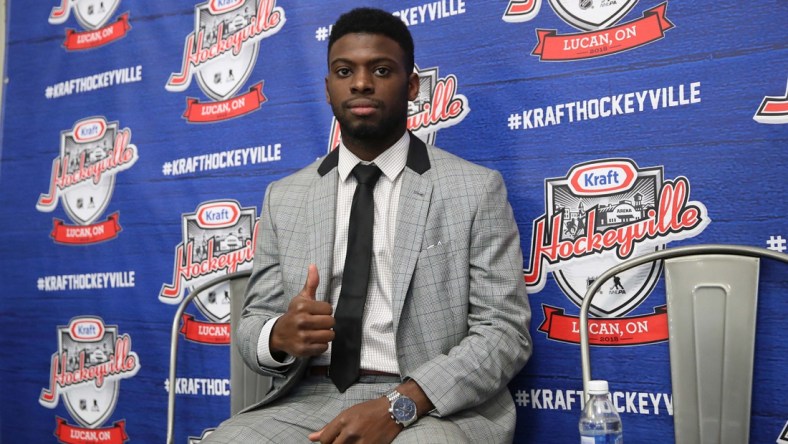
246 386
712 304
711 294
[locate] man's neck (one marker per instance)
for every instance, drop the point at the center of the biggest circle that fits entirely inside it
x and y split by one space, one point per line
369 150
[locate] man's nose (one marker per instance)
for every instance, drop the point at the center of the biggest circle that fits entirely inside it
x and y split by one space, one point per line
362 82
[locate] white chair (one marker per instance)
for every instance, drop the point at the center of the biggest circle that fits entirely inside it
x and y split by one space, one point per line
246 386
712 295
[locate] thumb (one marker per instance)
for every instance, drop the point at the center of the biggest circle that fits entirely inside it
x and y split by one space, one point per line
312 280
315 436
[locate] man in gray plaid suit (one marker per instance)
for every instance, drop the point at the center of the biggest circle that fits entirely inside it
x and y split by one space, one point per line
445 319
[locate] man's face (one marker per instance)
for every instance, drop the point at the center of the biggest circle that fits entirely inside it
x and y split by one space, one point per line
368 87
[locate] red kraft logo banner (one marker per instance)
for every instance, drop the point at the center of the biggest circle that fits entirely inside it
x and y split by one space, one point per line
221 53
600 213
91 360
218 239
92 153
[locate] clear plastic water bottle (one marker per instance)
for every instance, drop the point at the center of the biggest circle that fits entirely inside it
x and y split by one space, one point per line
600 423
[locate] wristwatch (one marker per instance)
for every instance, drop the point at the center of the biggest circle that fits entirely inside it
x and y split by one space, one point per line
402 409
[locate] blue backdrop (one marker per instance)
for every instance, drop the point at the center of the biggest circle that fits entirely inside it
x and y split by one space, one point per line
138 138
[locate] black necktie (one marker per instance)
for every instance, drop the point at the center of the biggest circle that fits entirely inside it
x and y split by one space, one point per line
346 347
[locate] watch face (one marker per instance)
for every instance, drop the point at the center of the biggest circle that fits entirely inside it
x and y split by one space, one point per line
404 409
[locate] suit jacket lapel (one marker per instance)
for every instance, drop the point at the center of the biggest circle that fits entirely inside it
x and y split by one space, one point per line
414 204
321 219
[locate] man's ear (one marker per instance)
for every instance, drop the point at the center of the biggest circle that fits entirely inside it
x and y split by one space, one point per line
328 96
413 86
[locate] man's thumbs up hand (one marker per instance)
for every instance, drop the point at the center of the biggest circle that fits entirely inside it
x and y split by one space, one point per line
306 328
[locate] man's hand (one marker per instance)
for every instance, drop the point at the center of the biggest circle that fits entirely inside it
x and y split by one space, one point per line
306 328
368 422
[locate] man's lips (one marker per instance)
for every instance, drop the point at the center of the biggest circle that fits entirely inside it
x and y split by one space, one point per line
362 107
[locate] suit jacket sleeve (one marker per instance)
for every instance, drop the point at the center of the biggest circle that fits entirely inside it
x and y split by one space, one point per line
264 294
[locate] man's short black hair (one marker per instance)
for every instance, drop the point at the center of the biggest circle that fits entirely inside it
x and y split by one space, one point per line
375 21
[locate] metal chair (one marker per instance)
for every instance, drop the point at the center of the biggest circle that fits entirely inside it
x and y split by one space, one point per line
711 294
246 386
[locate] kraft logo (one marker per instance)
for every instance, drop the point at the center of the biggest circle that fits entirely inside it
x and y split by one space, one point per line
218 214
85 374
601 213
604 177
221 6
92 152
220 53
86 330
218 238
90 130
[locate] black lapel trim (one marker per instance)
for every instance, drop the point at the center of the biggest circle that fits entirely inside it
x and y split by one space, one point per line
329 163
418 159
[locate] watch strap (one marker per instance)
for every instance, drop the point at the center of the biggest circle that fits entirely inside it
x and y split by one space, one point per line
393 395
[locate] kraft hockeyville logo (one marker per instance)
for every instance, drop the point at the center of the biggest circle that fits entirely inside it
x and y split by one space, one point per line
437 106
597 20
86 370
82 177
92 15
218 239
601 213
221 53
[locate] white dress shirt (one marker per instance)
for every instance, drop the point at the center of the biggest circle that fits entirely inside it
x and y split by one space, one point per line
378 345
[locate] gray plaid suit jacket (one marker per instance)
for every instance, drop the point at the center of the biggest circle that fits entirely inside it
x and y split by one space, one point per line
461 313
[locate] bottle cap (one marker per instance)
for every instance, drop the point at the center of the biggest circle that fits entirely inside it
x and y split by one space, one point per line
597 387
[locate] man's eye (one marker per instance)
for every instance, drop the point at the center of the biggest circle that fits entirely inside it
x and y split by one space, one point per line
343 72
382 71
